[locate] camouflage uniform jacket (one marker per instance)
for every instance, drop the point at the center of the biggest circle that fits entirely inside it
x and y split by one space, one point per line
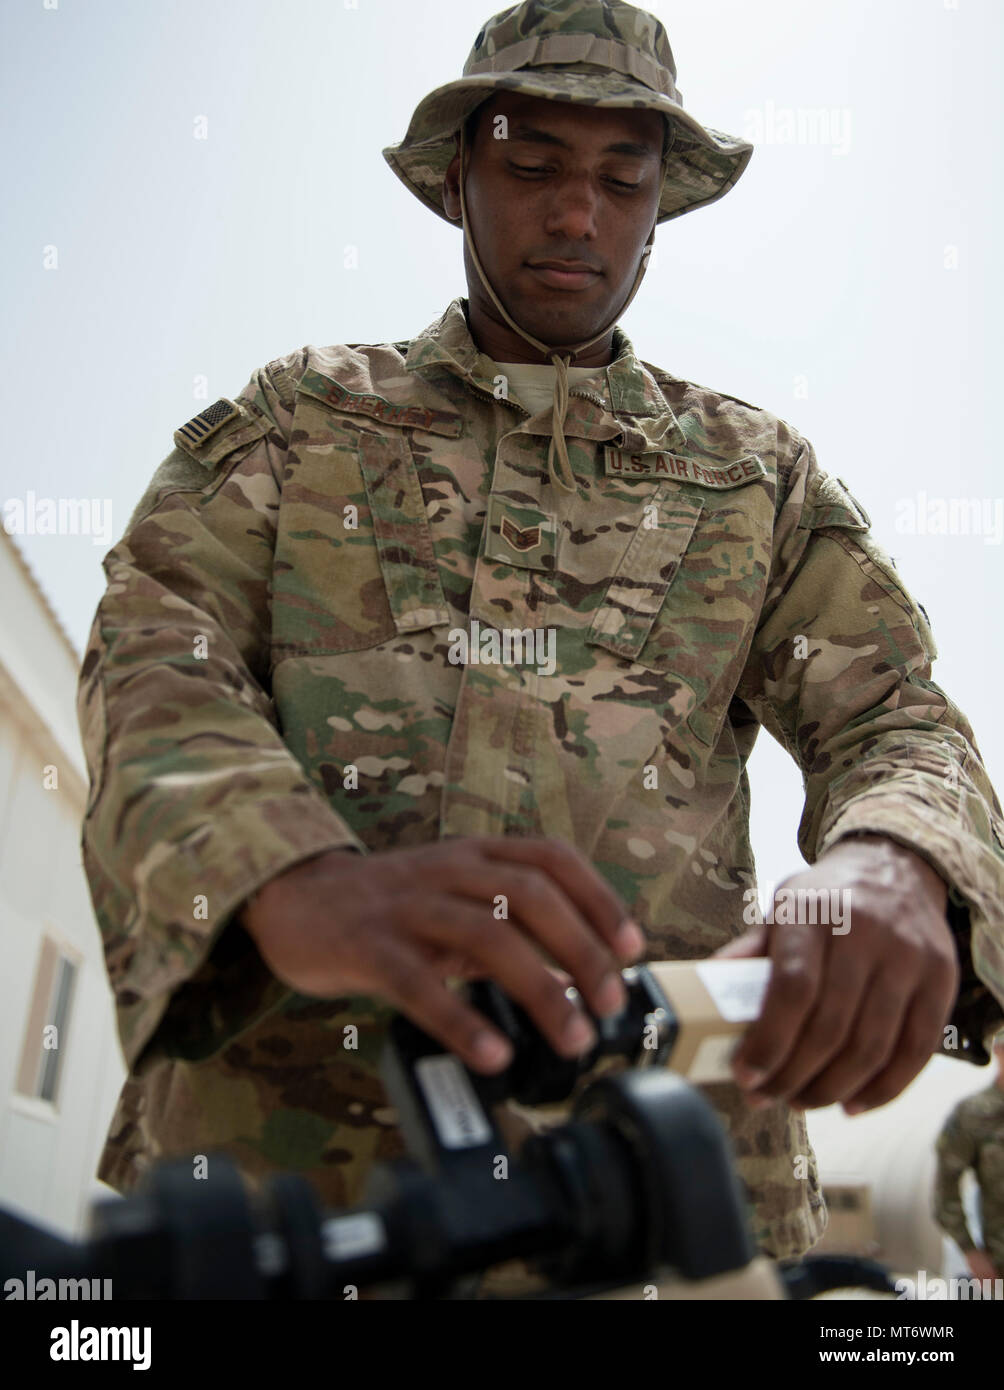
973 1137
254 646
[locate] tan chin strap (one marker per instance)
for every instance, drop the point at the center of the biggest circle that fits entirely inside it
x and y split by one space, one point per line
563 357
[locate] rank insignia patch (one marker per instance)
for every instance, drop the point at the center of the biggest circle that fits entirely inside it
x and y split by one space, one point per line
520 536
526 539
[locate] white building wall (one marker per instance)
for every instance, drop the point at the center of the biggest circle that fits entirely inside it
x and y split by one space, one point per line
48 1150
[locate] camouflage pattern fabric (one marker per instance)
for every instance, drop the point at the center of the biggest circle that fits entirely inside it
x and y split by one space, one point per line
973 1137
253 647
593 52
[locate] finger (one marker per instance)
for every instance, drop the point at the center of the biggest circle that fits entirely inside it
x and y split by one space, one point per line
751 943
506 956
597 901
851 1030
453 965
403 978
539 907
870 1041
796 954
536 904
919 1037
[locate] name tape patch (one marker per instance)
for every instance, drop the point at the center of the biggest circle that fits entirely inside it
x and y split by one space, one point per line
364 403
520 536
705 472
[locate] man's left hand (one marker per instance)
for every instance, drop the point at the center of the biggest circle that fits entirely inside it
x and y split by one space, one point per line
852 1016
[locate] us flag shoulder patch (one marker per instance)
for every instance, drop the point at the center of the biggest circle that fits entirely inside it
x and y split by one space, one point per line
208 421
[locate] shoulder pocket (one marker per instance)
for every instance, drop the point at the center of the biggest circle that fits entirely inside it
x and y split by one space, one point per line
835 509
834 505
217 431
200 445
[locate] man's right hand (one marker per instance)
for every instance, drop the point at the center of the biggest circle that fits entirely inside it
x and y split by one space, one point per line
397 924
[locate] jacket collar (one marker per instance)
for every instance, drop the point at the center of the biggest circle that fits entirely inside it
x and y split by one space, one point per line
640 420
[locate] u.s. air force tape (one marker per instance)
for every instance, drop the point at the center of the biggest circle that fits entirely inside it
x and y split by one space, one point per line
208 421
703 471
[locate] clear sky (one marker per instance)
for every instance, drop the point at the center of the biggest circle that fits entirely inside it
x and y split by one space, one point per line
851 283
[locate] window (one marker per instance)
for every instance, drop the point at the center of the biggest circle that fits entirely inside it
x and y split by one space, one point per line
48 1020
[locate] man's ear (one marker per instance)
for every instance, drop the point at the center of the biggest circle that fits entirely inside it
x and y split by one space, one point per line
451 189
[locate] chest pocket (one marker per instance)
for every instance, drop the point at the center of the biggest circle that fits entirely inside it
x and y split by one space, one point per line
623 622
687 594
355 559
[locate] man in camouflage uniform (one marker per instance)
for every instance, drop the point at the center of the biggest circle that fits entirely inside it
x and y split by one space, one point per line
332 769
973 1137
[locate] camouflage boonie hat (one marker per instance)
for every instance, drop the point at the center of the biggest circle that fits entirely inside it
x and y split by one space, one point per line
594 52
